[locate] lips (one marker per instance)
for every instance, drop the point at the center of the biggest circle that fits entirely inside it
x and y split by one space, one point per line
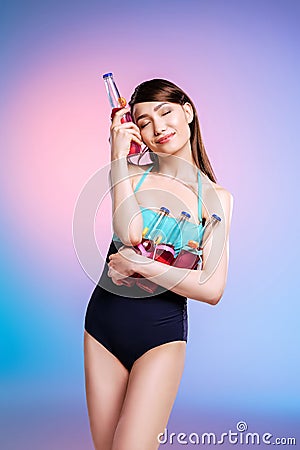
165 138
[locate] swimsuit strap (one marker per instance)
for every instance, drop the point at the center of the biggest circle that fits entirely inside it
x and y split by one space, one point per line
199 198
143 177
199 190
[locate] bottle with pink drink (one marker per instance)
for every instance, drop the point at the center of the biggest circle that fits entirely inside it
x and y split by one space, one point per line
151 234
117 102
146 246
165 250
189 256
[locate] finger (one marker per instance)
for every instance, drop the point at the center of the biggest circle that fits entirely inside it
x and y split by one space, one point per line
124 126
122 111
135 135
119 114
118 130
136 138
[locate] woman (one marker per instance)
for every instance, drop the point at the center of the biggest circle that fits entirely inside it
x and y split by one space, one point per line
134 342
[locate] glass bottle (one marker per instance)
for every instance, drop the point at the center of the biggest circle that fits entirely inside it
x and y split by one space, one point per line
208 228
189 256
207 232
147 245
165 252
117 102
151 234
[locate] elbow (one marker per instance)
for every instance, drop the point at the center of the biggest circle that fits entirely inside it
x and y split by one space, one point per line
210 294
135 240
130 240
130 234
216 297
214 301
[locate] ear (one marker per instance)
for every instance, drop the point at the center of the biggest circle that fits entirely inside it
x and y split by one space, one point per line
189 113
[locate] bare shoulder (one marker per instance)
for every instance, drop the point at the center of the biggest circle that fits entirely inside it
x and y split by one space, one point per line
224 194
217 199
226 200
212 188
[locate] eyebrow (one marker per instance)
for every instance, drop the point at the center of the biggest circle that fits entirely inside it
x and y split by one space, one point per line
155 109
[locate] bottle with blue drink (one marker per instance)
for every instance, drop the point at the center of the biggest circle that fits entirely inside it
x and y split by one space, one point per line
149 237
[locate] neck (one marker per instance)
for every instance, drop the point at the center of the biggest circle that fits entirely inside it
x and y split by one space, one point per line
179 165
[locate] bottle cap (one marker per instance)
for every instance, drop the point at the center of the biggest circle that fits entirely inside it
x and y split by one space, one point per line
122 102
166 210
184 213
106 75
216 217
145 231
193 244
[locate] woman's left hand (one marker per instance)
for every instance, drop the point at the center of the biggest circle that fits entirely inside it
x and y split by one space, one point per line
121 264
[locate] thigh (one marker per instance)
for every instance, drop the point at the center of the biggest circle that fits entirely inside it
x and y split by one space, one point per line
151 392
106 382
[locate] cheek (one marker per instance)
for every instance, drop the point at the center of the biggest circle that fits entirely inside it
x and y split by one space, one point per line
145 134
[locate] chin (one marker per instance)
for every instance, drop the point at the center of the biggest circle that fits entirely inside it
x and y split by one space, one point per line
165 154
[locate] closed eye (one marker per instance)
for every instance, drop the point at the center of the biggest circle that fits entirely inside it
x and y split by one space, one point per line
143 126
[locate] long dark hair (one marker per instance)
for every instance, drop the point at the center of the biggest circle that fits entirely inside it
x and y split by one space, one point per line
159 90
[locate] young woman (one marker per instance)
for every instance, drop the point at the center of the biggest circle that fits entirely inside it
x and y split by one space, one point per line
135 342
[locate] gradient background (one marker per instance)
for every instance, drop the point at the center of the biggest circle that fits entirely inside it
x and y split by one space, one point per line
239 62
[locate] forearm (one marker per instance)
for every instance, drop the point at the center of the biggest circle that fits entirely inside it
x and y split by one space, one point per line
194 284
127 217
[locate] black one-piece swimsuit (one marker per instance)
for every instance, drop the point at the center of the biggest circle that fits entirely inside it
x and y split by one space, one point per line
128 321
129 325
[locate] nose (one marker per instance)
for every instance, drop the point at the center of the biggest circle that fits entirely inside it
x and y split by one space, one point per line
159 127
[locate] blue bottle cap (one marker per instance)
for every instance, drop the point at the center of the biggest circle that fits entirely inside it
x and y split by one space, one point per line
184 213
163 208
106 75
217 217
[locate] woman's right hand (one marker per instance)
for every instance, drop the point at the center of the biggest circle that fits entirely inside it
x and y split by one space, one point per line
121 135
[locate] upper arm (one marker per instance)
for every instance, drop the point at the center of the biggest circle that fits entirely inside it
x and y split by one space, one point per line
110 183
216 251
134 172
